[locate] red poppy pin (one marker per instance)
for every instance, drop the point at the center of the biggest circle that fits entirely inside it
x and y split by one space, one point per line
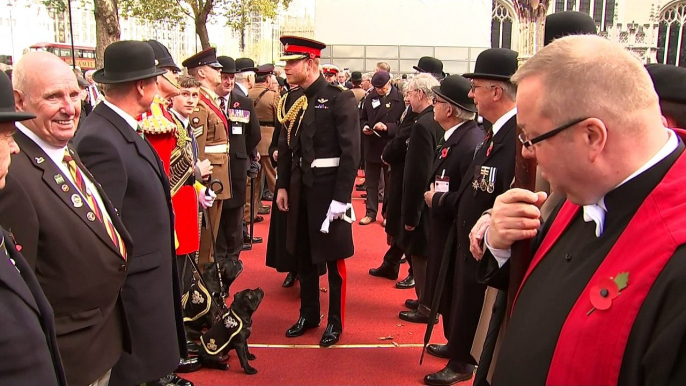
16 245
444 152
490 147
235 105
607 289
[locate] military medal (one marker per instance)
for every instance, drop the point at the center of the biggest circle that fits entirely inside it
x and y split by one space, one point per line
76 200
485 172
65 188
475 185
59 179
39 160
90 216
491 180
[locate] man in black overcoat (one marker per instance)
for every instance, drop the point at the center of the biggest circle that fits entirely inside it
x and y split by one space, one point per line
317 168
133 176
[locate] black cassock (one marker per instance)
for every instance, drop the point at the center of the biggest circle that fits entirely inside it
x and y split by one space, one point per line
656 349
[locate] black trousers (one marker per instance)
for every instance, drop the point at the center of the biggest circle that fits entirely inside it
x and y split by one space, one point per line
308 274
372 175
230 235
393 255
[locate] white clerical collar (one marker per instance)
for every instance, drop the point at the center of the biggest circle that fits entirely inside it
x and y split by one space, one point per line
55 153
596 212
502 120
129 119
451 130
184 121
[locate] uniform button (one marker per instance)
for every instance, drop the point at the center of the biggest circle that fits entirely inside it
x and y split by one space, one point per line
122 267
464 223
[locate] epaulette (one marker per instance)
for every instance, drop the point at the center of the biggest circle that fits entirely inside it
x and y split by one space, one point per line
156 120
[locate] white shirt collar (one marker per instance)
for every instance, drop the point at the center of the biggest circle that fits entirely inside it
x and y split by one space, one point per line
502 120
450 131
184 121
596 212
56 154
129 119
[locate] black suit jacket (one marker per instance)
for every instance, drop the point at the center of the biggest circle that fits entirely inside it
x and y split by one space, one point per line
243 139
131 173
76 263
390 109
28 344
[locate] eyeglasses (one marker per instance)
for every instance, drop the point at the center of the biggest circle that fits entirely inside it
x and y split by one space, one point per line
528 143
437 101
474 86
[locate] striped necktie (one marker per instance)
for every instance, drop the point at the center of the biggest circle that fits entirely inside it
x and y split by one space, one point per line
222 104
83 189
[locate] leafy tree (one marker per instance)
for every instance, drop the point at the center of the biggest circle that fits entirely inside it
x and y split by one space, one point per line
240 12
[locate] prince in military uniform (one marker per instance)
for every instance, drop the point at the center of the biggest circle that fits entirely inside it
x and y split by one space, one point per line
210 126
317 167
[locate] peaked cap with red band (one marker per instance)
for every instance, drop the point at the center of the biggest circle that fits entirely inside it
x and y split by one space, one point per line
296 47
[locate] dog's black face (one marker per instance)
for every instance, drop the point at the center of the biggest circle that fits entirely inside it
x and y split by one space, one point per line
248 300
229 270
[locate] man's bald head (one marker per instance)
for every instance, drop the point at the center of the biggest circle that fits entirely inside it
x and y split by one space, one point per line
35 65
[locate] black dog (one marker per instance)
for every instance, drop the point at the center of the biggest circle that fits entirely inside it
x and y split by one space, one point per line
232 333
203 305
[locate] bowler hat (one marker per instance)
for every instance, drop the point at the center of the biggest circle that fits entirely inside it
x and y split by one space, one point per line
162 55
565 23
245 64
430 65
127 61
7 111
380 79
356 76
206 57
228 64
669 81
494 64
455 90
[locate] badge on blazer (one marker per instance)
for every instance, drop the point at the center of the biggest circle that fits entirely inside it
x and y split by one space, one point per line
65 188
39 160
90 216
195 120
76 200
322 104
59 179
388 105
322 100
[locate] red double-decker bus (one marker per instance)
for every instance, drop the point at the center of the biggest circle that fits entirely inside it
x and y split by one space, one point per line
85 56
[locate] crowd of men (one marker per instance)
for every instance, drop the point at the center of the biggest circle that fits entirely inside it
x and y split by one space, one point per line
103 177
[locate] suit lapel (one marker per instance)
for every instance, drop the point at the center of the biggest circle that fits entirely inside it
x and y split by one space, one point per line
451 142
63 188
11 276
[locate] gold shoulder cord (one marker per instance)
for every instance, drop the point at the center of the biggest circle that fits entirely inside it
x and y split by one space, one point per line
288 119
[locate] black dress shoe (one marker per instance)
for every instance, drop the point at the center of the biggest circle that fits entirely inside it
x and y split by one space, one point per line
414 316
192 347
300 327
412 304
446 377
173 379
264 210
403 260
289 281
188 365
246 247
331 336
255 240
385 270
438 350
406 283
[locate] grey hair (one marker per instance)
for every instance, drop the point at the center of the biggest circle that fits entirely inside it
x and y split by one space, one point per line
509 89
463 114
244 76
424 83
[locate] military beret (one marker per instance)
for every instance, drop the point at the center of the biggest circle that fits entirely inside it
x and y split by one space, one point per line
380 79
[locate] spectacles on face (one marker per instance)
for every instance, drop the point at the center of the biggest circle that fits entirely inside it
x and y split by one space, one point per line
475 86
436 101
527 143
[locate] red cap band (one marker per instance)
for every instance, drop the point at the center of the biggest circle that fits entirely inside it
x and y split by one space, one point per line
292 48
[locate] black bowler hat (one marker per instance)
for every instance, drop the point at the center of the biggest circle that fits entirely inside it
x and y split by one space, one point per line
669 81
455 90
380 79
430 65
7 111
162 55
494 64
265 69
245 64
228 64
82 82
206 57
296 47
565 23
127 61
356 76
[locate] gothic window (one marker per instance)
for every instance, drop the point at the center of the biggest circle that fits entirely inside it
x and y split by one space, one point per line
501 26
670 49
602 11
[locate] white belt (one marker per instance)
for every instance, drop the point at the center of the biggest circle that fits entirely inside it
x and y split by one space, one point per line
217 149
326 162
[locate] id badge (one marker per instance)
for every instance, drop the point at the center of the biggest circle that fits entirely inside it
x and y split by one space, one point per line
376 103
236 129
442 184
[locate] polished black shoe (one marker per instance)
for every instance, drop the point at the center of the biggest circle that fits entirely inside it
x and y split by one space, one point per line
192 347
255 240
268 196
403 260
289 281
412 304
246 247
385 270
414 316
331 336
438 350
447 377
264 210
406 283
188 365
300 327
173 379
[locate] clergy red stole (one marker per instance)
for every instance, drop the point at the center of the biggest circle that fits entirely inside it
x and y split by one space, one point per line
216 110
591 346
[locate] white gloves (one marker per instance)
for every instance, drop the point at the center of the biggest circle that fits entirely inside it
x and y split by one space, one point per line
337 210
206 197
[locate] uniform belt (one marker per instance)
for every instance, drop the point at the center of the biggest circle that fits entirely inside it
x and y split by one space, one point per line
217 149
268 124
326 162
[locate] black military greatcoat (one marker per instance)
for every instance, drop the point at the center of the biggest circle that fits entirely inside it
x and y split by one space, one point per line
388 110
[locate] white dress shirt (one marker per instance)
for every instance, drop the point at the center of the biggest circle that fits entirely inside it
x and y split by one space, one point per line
497 125
451 130
129 119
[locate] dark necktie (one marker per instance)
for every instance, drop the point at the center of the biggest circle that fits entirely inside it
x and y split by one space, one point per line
222 104
440 143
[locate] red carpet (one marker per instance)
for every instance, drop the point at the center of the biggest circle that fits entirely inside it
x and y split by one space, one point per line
385 350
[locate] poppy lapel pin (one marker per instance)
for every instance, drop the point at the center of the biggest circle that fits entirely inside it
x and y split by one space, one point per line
444 152
14 241
606 290
235 105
